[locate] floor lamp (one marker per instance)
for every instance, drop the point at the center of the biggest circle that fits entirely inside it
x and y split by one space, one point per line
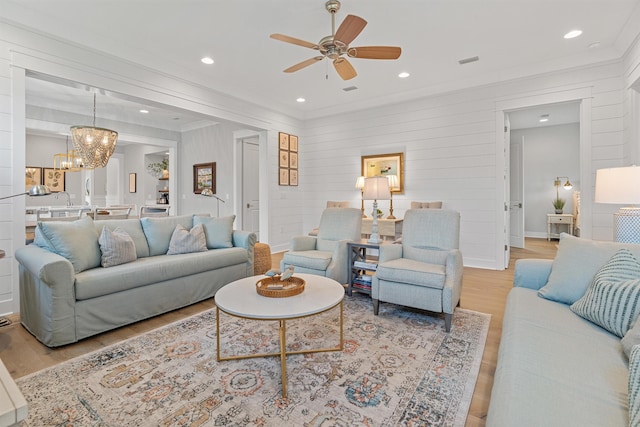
619 186
36 190
207 192
376 188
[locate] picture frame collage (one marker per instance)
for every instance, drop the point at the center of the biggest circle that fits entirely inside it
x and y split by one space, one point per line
52 178
288 159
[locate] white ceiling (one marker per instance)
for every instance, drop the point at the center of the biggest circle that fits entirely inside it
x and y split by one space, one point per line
513 38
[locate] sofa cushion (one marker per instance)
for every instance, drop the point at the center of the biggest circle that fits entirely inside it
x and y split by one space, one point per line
77 241
185 241
418 273
634 386
576 262
556 368
158 231
146 271
132 227
315 260
218 231
613 299
117 247
631 338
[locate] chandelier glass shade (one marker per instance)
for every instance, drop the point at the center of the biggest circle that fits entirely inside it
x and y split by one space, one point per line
94 145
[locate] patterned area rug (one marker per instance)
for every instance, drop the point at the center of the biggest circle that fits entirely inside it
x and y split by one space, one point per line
398 368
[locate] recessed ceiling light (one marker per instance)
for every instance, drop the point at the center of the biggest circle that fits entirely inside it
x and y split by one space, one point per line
572 34
404 75
144 111
544 118
207 60
300 100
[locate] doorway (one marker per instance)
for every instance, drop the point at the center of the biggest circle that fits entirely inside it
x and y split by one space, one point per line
251 186
505 111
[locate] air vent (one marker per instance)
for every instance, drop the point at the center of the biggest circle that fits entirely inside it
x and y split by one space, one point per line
467 60
350 88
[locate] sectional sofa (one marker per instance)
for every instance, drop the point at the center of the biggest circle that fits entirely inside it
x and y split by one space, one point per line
66 294
568 330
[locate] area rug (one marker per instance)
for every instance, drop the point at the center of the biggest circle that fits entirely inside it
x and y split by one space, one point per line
397 369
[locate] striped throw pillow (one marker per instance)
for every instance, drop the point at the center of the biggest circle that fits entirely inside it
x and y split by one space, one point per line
117 247
634 386
612 301
185 241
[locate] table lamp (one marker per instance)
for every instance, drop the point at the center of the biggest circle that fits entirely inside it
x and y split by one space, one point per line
394 185
360 186
376 188
620 186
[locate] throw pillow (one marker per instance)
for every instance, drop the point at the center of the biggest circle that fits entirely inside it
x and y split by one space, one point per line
631 338
218 231
613 299
576 262
185 241
117 247
77 241
634 386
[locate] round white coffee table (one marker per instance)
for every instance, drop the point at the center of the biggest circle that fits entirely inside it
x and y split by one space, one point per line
240 299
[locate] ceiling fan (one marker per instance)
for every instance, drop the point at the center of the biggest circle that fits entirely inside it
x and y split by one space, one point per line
336 46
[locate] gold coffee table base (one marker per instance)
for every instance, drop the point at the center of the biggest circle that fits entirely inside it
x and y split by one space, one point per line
283 342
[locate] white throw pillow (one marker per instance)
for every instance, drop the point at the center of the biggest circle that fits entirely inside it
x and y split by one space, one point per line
185 241
117 247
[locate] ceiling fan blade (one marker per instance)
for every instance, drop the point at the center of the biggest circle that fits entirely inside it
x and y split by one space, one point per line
375 52
344 68
303 64
294 40
349 29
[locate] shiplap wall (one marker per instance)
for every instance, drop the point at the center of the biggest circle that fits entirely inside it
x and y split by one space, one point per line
449 143
22 49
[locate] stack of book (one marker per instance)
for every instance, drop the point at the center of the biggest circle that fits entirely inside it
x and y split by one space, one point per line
363 281
365 265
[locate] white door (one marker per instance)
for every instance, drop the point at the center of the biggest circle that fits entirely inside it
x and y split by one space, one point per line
250 187
507 220
516 184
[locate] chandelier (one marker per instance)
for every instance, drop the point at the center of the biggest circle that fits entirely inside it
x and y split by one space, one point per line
94 145
70 161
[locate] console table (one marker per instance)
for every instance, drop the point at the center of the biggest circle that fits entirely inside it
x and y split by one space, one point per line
389 229
555 220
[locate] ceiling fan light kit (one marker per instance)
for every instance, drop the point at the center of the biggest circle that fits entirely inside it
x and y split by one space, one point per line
336 46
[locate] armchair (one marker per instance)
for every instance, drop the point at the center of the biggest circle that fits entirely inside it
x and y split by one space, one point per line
425 271
326 254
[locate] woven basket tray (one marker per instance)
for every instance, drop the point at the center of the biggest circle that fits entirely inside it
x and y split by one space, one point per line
273 287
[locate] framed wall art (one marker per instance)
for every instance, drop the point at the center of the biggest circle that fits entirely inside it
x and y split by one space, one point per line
204 176
54 179
132 183
287 159
284 140
284 176
385 165
32 176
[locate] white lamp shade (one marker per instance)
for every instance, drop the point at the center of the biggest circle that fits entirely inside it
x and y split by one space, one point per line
376 188
618 185
360 183
394 182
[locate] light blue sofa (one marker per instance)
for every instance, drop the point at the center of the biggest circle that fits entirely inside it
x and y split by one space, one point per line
554 367
62 301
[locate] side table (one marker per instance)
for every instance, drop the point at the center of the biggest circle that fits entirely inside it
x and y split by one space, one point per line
361 265
557 219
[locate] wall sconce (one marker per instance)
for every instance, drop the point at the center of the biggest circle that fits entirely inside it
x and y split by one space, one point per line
567 185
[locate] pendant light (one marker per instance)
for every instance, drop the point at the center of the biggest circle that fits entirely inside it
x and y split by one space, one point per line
94 145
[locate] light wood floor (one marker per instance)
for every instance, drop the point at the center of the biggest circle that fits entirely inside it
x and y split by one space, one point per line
483 290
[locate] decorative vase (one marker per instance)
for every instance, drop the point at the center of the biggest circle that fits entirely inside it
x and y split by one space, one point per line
165 173
559 211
